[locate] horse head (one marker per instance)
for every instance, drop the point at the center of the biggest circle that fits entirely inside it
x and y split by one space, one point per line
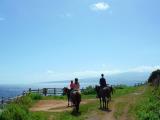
65 90
97 88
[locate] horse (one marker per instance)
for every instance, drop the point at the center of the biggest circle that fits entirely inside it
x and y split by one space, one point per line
75 98
104 95
67 92
112 90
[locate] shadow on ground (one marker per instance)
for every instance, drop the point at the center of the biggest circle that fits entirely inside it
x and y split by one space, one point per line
107 110
75 113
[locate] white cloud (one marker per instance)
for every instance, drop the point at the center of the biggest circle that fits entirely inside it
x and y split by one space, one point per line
144 69
68 15
2 19
92 73
50 72
51 75
100 6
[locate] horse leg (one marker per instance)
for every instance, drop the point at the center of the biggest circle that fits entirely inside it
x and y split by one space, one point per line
77 107
110 97
104 103
100 102
78 102
107 104
68 101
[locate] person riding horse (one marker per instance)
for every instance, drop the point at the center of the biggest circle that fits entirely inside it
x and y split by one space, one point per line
102 82
76 88
72 85
75 94
76 85
103 92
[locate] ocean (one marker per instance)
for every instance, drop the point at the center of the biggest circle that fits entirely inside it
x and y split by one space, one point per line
14 90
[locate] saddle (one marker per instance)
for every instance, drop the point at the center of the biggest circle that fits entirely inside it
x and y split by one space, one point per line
76 91
105 88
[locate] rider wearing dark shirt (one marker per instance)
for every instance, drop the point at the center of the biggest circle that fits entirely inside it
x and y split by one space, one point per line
102 81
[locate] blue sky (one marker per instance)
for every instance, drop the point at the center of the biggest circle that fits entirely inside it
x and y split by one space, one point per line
43 40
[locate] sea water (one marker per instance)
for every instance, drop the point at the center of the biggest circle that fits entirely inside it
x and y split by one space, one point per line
14 90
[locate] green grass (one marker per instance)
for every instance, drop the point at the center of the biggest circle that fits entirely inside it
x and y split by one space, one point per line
147 106
119 109
90 90
124 90
68 115
19 110
87 109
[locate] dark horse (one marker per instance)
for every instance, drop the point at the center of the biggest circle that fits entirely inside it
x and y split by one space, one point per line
112 90
67 92
104 95
75 98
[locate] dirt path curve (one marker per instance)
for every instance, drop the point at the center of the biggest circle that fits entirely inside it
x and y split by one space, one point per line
54 105
119 108
109 115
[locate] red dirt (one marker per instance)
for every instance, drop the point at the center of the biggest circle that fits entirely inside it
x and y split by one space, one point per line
53 105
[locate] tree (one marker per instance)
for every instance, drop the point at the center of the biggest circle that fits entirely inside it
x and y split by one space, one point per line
153 76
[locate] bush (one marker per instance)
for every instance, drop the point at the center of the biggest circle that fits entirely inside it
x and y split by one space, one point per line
14 112
25 101
37 116
19 112
149 108
35 96
89 90
120 86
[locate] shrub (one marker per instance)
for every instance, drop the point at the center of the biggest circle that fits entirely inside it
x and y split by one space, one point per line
35 96
25 101
37 116
14 112
89 90
19 112
149 108
120 86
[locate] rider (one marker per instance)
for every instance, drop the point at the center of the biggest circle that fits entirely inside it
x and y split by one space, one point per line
76 85
102 81
72 85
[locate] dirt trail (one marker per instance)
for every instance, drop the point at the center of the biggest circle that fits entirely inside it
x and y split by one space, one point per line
117 107
122 114
109 115
54 105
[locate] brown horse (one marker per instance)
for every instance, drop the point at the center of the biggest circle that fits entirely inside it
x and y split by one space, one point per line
112 90
75 98
67 92
104 95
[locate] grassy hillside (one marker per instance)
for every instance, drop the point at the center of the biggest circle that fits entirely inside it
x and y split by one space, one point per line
19 109
91 108
148 105
144 106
